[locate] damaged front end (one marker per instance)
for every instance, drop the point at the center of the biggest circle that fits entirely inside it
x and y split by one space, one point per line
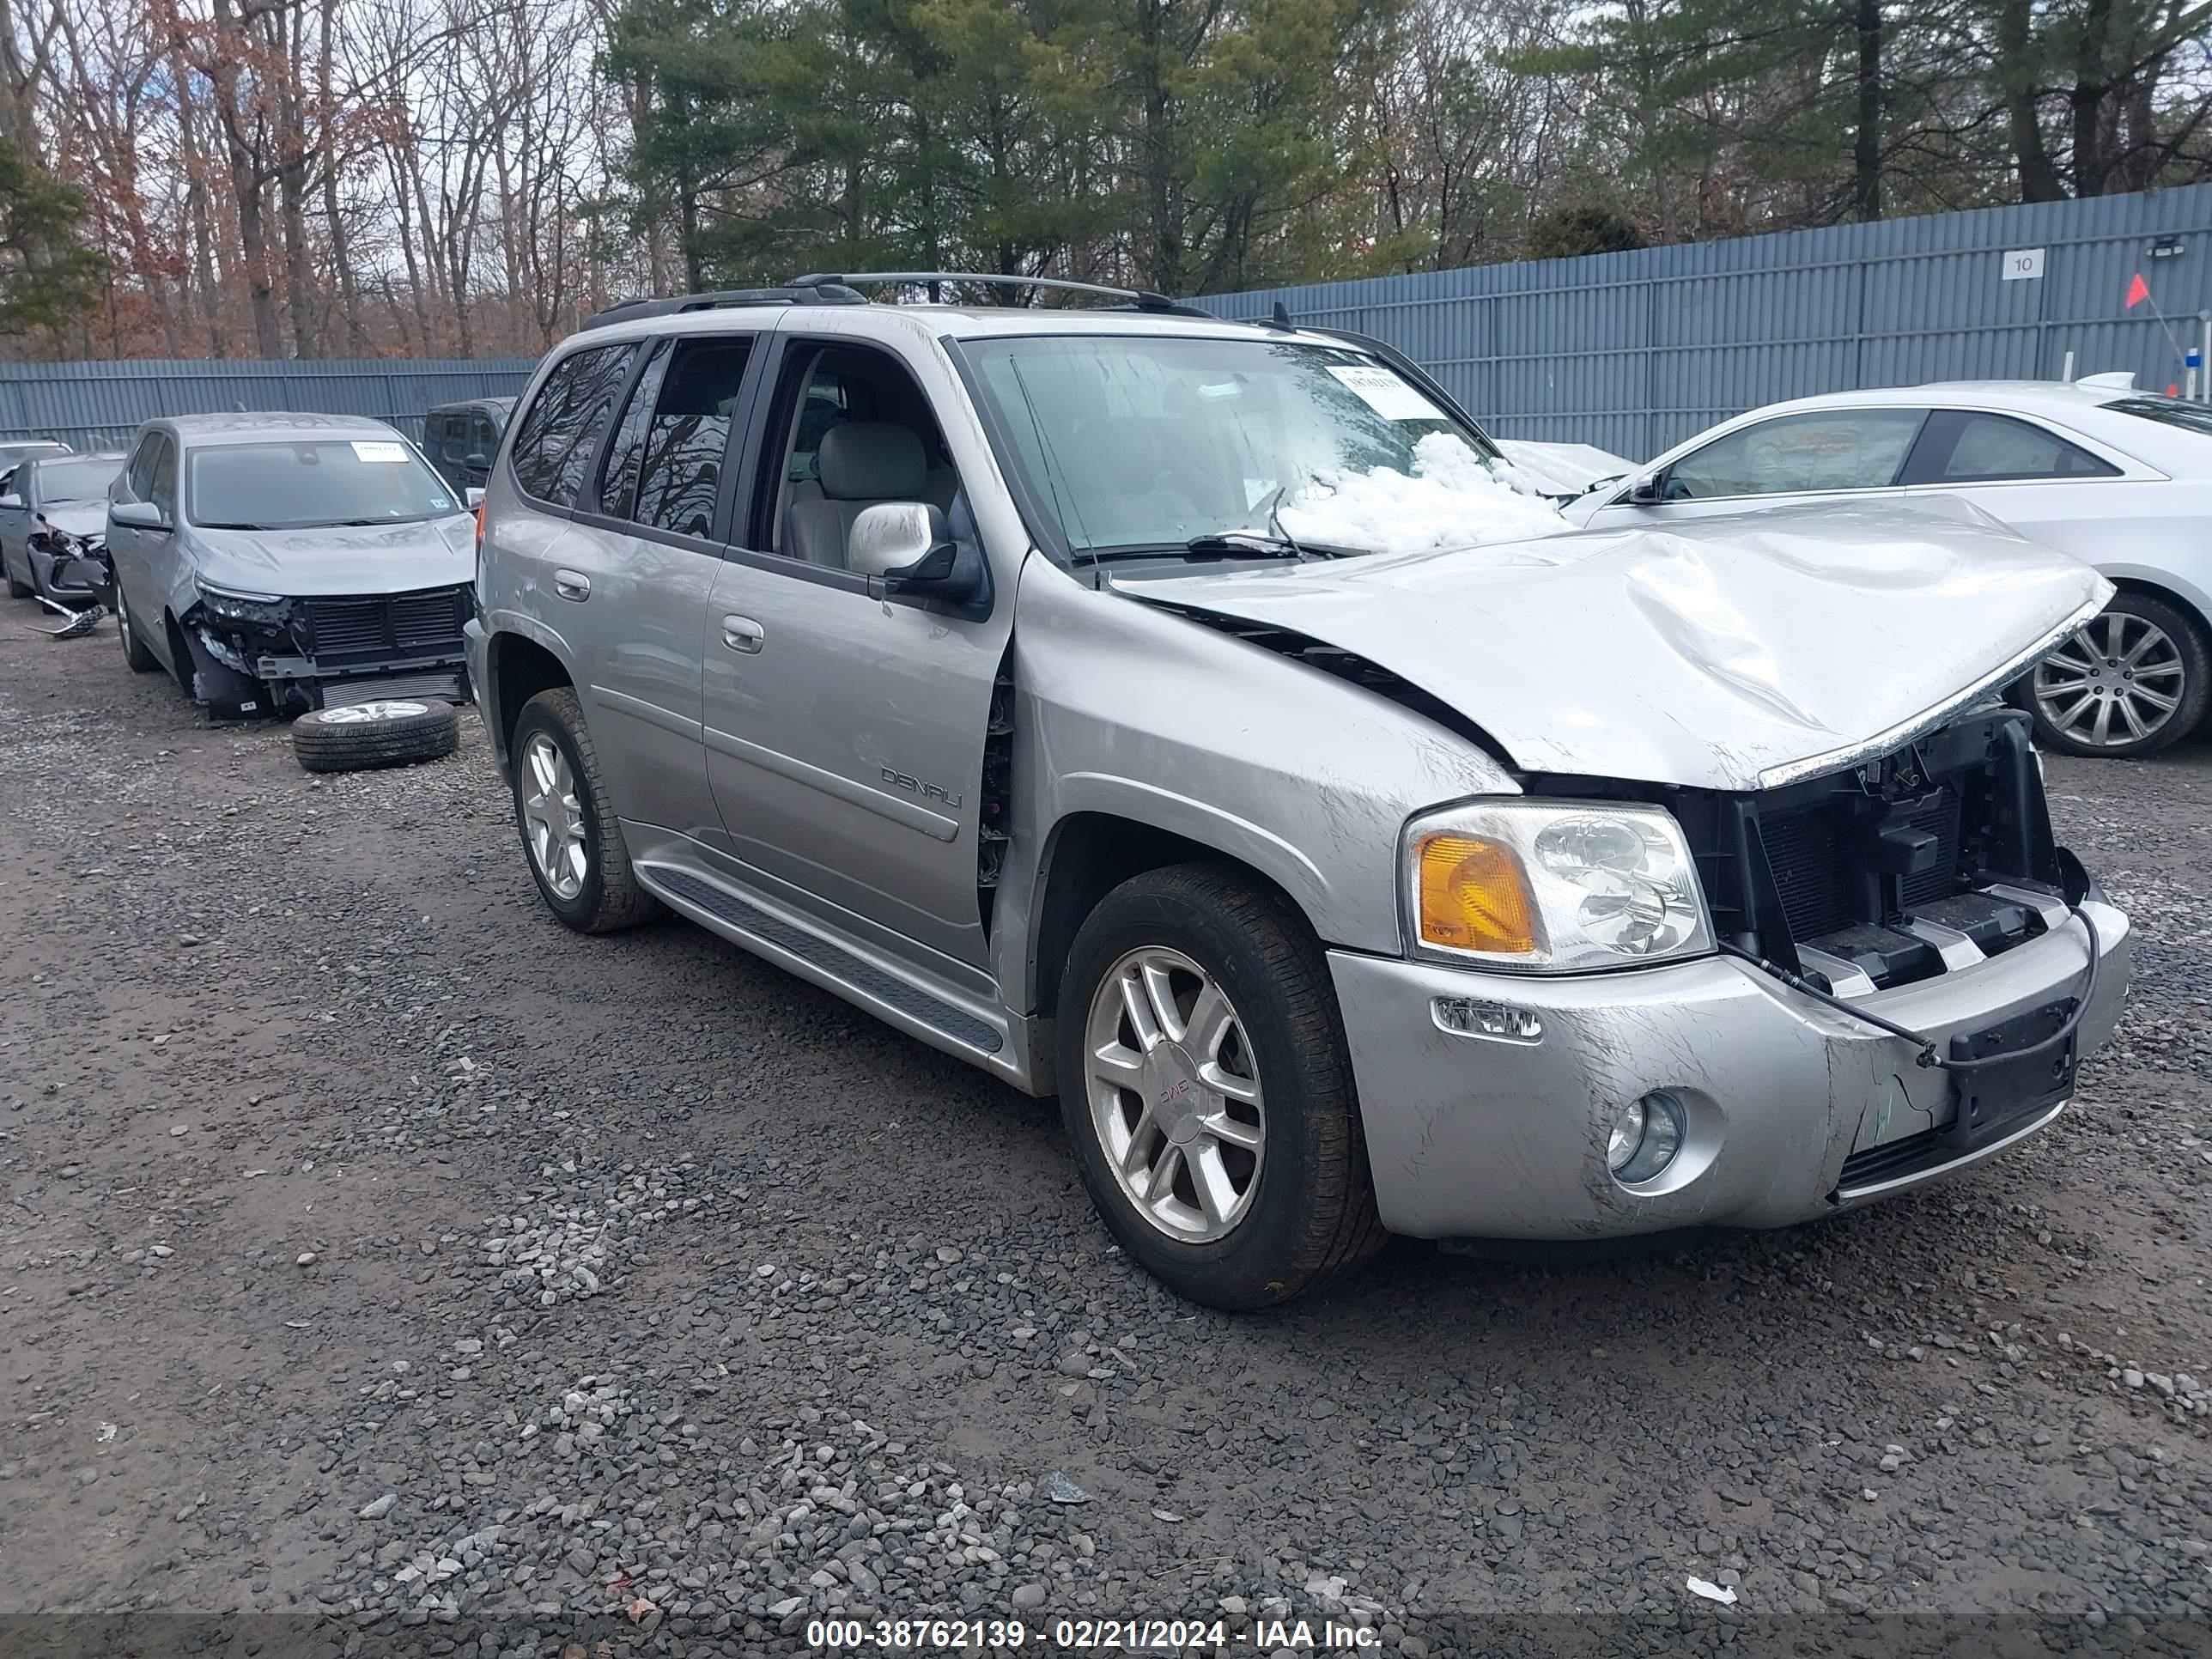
257 652
1926 859
76 567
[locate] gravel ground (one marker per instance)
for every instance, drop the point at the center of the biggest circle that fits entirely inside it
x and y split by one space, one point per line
383 1264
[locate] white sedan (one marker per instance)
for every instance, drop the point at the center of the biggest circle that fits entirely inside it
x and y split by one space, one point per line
2117 478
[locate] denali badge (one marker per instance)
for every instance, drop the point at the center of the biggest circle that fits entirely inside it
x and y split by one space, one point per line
916 786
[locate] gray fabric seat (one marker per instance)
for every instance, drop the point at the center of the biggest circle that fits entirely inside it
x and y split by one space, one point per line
862 463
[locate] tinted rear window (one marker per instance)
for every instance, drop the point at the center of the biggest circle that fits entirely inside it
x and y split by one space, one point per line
2167 411
560 434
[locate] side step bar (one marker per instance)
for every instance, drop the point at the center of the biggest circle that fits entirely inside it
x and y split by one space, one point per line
956 1028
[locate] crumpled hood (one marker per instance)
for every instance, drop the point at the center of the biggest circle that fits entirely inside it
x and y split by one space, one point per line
77 518
373 559
1562 471
1728 653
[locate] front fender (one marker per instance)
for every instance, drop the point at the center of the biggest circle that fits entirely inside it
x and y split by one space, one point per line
1128 710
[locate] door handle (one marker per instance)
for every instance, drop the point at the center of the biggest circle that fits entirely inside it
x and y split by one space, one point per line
743 633
572 584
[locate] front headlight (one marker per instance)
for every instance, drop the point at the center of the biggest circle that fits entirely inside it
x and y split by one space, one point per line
267 610
1553 886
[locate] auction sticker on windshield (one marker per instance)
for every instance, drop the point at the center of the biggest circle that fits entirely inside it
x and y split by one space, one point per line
1387 394
380 452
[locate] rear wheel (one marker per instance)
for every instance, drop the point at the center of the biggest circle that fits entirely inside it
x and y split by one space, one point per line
1204 1084
2130 681
574 844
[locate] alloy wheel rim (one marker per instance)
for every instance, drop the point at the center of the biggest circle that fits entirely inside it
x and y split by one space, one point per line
552 817
365 713
2117 679
1175 1094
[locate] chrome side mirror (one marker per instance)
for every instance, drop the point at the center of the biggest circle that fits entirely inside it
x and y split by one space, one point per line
904 544
474 496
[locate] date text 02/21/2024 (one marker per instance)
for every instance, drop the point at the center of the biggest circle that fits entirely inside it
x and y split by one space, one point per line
1088 1635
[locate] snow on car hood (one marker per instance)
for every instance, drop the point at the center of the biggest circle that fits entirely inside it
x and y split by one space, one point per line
370 559
1732 653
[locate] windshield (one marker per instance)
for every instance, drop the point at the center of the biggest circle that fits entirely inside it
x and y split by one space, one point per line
1148 442
77 481
303 483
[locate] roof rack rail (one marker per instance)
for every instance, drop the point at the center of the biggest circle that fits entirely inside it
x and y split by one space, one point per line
1141 299
812 294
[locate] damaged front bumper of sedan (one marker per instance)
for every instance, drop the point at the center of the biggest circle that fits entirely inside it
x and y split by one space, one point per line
1922 888
262 653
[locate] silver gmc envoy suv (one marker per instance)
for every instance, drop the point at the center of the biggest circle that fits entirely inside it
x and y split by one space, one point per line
1028 675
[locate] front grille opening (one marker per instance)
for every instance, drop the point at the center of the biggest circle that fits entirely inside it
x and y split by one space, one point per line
374 628
1891 1158
1807 854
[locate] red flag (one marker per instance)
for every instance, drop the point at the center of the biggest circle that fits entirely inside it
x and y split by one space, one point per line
2138 291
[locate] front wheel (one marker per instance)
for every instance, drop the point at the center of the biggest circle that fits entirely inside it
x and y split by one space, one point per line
568 827
1204 1084
16 590
135 654
2127 683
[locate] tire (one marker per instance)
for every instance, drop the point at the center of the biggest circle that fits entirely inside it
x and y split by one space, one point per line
569 835
1304 1210
140 660
2107 675
360 737
16 590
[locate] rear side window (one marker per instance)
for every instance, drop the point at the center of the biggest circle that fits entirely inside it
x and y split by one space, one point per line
1968 447
561 432
689 439
1848 449
617 493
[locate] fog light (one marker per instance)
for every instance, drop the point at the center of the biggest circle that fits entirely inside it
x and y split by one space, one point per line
1472 1016
1646 1138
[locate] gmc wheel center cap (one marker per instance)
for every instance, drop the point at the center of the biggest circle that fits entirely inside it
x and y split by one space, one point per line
1177 1094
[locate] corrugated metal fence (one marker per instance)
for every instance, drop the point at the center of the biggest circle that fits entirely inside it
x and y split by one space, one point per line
1629 351
95 405
1634 352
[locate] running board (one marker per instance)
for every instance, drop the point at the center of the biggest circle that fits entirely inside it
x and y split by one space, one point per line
822 961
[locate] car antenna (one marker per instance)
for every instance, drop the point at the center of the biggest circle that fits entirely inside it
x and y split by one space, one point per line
1280 320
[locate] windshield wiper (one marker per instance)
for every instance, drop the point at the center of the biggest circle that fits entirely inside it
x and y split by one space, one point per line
1214 544
237 526
1243 543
